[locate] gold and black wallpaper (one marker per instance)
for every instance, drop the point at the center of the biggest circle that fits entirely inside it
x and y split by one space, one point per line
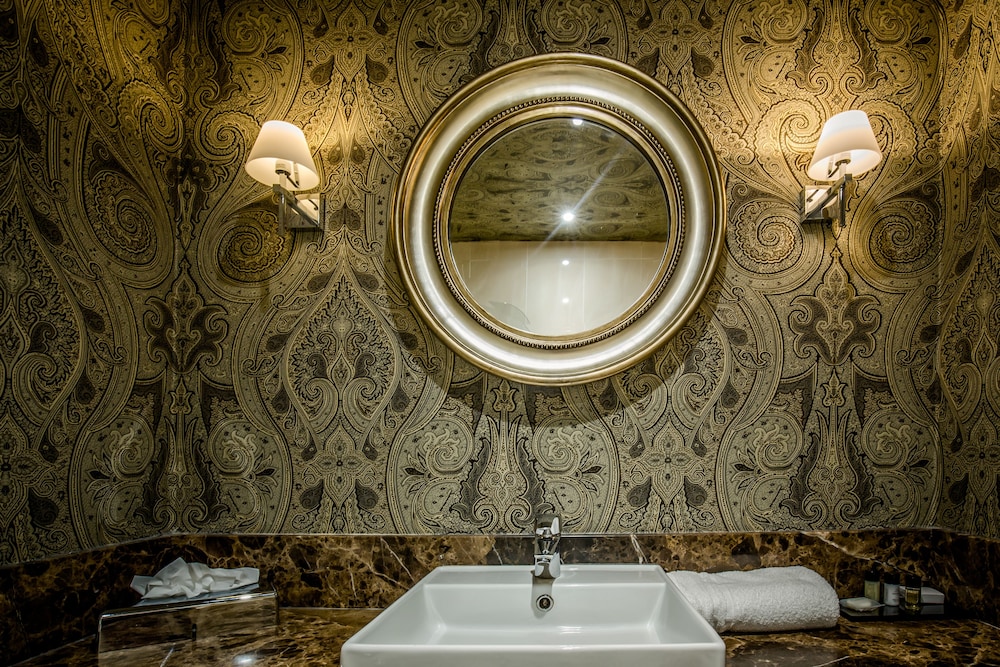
170 363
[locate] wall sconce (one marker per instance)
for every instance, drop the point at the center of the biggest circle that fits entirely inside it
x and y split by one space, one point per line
281 159
846 148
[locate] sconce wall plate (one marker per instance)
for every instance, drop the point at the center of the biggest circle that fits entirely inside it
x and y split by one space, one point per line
826 204
300 210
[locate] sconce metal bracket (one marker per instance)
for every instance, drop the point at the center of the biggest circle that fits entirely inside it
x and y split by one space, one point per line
827 204
303 210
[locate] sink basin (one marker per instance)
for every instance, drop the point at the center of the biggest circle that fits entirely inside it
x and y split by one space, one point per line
487 616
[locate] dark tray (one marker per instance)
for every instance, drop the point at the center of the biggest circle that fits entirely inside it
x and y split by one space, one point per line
928 612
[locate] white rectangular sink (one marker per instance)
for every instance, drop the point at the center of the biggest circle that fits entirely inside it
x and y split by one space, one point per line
486 616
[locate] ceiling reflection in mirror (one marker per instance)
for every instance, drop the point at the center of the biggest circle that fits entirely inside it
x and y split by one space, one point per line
558 227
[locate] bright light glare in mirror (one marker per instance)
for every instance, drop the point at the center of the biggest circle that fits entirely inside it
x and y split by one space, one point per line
568 216
578 122
565 262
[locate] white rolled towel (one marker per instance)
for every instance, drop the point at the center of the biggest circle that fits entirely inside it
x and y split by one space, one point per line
769 599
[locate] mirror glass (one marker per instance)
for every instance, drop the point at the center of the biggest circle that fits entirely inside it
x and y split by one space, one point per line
558 227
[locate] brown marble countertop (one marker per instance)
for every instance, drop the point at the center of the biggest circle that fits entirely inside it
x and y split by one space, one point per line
314 636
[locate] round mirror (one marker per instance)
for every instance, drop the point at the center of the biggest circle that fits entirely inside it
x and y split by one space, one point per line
558 218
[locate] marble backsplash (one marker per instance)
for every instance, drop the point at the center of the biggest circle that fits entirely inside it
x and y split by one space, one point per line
51 602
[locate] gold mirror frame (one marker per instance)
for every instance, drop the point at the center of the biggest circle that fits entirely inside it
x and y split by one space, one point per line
594 86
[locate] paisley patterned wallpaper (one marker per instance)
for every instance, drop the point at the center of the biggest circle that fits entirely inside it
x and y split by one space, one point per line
171 363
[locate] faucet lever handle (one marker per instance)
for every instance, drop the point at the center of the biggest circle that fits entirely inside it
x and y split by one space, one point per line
547 559
547 524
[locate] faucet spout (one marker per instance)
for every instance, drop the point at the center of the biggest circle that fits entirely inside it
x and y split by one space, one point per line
547 534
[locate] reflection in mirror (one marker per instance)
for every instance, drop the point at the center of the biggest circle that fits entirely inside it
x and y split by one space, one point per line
559 227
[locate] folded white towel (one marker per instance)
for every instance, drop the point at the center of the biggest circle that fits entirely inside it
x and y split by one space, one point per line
768 599
188 580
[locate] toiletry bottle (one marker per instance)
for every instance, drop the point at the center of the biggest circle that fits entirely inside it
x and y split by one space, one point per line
873 585
890 589
909 593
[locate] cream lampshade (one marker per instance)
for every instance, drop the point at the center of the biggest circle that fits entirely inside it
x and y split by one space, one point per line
282 146
846 146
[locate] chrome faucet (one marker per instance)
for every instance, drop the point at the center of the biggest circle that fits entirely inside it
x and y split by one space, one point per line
547 533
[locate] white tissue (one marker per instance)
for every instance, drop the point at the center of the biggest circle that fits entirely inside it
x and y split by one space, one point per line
188 580
769 599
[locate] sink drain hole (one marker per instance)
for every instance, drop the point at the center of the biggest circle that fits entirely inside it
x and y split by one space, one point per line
544 602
